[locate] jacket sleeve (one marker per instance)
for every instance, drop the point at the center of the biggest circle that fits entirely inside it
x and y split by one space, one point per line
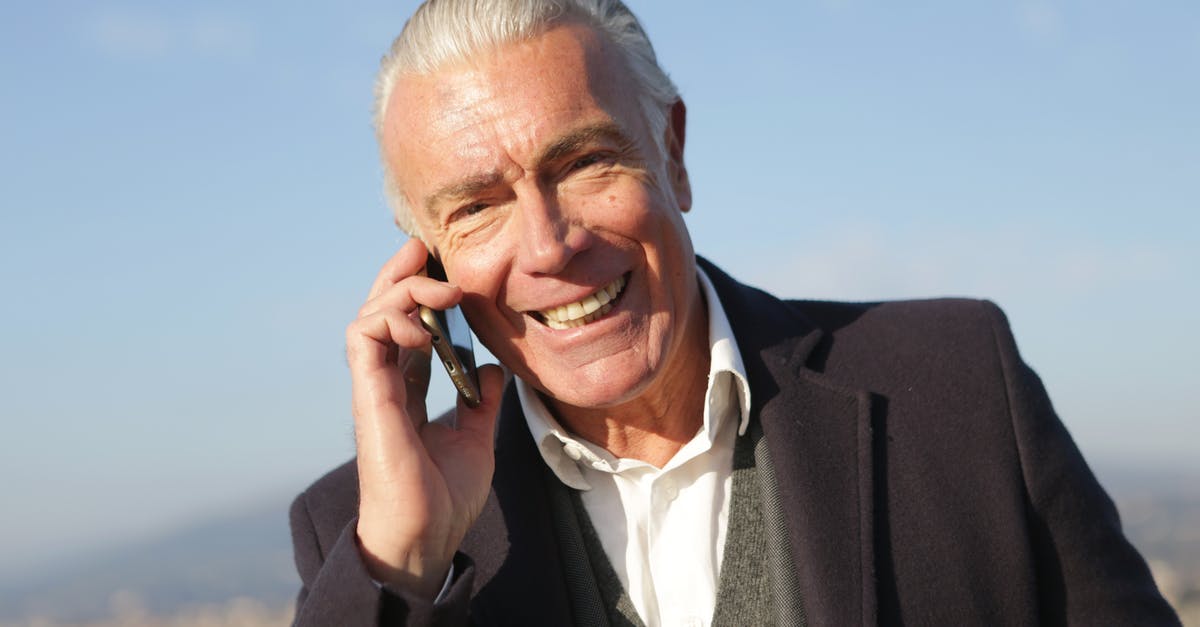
336 588
1087 571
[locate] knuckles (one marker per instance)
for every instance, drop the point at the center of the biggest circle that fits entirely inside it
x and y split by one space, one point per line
403 295
381 338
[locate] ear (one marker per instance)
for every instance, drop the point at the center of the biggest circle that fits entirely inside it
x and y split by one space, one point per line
676 171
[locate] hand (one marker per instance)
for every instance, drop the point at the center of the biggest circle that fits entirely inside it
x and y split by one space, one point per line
421 484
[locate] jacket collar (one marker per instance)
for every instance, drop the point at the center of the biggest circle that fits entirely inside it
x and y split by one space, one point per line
820 438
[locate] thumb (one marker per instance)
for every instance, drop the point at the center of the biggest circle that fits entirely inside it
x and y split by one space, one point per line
481 421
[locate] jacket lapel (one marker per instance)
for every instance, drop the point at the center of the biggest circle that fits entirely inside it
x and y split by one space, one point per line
819 437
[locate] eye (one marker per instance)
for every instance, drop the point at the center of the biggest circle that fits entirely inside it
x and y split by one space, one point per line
584 162
467 211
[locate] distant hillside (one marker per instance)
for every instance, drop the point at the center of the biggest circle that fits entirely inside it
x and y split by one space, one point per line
248 555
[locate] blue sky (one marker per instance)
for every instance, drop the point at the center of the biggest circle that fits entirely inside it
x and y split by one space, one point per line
191 214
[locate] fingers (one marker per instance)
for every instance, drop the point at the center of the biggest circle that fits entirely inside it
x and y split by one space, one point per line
405 295
387 321
387 351
407 261
401 285
371 341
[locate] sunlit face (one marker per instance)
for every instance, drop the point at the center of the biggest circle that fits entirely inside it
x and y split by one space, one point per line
532 175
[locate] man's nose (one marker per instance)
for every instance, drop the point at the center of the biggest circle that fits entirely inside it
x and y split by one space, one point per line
549 238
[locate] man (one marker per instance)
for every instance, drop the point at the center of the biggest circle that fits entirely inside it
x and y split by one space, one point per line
675 448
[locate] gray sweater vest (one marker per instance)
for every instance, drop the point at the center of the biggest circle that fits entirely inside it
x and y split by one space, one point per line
757 583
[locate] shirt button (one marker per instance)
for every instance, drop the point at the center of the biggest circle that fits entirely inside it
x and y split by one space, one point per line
573 450
669 490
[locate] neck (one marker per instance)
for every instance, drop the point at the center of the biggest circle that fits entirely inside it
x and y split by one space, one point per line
661 420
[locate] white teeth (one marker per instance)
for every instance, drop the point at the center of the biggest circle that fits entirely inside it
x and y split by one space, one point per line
587 310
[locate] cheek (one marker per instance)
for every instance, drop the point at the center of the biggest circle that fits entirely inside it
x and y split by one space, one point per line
657 227
482 280
496 331
474 263
628 210
479 301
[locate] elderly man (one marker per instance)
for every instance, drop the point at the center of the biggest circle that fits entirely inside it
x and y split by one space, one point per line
674 448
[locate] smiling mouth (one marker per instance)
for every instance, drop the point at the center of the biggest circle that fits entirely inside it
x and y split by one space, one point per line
582 312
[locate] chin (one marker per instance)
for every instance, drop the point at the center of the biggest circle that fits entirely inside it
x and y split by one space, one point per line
595 386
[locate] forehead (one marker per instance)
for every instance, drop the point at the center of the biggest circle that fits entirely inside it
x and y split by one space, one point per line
510 99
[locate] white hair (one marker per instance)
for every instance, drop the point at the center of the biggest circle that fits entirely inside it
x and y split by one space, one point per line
443 32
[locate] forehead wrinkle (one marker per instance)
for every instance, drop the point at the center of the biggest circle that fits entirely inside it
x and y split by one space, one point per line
460 118
459 105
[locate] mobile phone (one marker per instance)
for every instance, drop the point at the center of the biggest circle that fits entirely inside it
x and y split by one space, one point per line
452 341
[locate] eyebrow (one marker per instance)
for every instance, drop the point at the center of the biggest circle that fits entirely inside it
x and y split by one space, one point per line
467 187
573 141
566 145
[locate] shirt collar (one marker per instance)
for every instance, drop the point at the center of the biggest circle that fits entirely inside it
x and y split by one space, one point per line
565 454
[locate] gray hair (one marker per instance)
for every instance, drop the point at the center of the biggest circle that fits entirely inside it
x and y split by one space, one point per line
442 32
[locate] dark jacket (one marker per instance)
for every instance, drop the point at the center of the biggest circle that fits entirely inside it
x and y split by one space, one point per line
924 475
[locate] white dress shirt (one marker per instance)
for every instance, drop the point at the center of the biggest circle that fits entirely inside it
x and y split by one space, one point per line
663 529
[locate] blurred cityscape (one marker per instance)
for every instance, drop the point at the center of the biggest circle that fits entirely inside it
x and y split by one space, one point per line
128 611
237 572
1161 515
